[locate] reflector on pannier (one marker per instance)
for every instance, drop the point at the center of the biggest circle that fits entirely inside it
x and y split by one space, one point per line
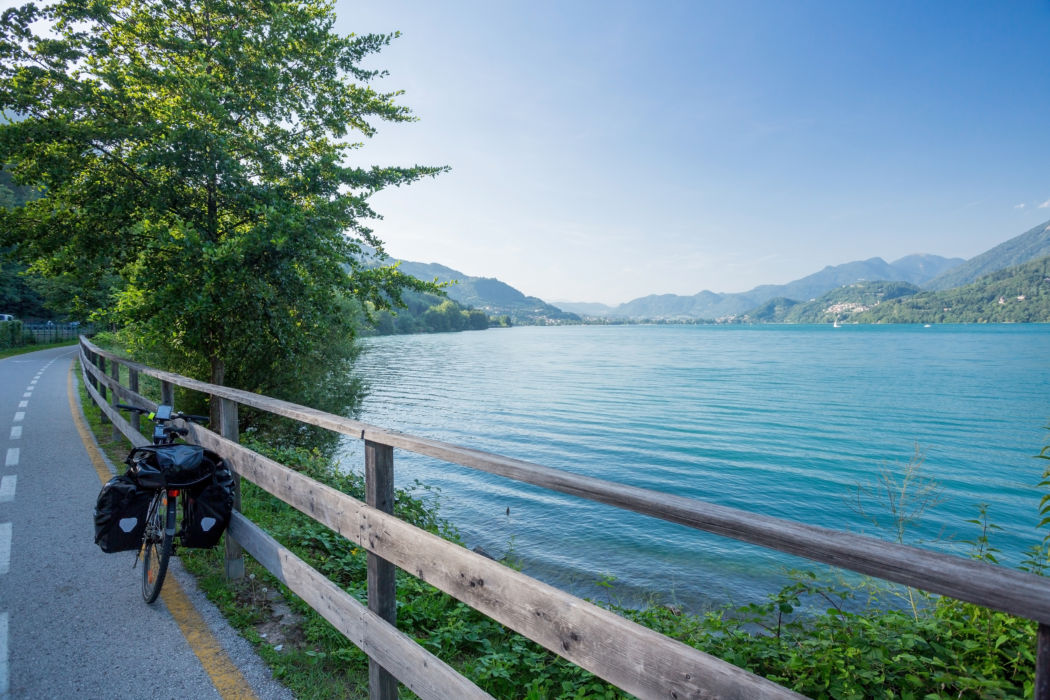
208 509
120 514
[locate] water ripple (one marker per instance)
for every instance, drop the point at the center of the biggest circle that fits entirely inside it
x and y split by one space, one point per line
782 421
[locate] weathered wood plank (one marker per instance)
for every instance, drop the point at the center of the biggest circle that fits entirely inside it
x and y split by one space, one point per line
133 387
230 429
1042 664
382 575
422 672
1016 592
133 436
126 395
114 370
642 662
102 389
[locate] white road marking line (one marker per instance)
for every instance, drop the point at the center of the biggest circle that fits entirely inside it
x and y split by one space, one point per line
19 416
12 457
32 382
27 395
16 432
4 683
5 547
7 488
23 404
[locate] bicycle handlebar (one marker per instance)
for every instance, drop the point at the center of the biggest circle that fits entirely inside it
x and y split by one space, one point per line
202 420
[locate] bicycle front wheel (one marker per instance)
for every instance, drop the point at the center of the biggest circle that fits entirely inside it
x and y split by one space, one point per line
157 549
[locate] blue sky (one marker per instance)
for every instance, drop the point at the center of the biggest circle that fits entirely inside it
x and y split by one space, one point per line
601 151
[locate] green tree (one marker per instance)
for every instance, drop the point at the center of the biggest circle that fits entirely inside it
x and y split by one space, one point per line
477 320
194 157
17 294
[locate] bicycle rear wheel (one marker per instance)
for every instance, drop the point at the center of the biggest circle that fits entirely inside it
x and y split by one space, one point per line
157 550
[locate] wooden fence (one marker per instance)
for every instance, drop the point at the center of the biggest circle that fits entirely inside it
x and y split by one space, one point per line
634 658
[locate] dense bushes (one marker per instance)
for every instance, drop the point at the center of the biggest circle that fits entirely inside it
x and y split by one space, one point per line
824 639
428 313
13 335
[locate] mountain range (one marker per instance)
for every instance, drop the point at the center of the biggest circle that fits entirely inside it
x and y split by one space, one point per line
488 294
1030 245
915 269
915 272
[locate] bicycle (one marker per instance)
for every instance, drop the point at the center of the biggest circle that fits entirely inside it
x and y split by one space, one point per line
170 468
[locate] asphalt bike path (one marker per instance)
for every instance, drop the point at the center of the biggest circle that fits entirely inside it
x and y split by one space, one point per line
72 620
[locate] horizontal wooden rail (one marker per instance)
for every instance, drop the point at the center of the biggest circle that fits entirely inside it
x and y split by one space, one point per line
423 673
634 658
135 437
1016 592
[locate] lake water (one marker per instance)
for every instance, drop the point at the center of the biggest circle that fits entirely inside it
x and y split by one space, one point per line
781 420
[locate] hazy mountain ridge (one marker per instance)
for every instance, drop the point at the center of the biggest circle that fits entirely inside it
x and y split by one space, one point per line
776 303
488 294
839 304
584 308
913 269
1018 294
1030 245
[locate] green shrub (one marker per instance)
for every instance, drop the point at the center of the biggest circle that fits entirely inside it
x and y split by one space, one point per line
825 639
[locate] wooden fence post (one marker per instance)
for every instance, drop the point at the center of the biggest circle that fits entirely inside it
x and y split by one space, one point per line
1042 663
167 393
100 362
133 384
114 398
92 360
382 600
229 430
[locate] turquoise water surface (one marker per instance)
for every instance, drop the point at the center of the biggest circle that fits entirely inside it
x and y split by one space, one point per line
780 420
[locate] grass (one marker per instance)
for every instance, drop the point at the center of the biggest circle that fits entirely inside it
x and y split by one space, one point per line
824 639
23 349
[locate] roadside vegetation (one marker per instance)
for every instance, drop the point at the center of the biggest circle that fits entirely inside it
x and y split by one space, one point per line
823 635
23 349
220 232
428 313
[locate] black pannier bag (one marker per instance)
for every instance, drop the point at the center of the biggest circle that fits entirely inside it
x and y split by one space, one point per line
208 508
157 466
120 515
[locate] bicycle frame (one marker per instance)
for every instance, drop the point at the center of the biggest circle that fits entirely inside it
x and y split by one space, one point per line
158 543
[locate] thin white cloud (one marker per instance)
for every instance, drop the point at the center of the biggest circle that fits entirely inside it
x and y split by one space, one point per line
1019 206
1045 204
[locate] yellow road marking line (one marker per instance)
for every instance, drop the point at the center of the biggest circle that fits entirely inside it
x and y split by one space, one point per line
88 439
225 675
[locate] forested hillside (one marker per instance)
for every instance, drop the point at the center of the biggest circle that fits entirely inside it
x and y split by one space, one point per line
1030 245
430 313
494 297
842 304
1018 294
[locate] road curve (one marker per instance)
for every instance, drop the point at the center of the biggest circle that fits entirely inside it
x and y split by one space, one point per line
72 620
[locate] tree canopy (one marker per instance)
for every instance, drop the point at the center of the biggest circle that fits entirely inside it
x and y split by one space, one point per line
195 157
